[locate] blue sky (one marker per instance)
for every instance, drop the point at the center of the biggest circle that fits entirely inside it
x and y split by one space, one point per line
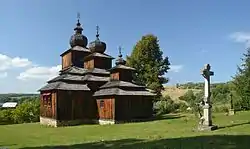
34 33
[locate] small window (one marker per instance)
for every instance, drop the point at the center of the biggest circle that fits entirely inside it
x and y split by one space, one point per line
47 102
101 104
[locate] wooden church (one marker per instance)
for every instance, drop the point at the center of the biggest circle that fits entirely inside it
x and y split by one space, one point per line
89 90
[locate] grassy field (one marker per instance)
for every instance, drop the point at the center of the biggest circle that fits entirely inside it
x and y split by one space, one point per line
170 132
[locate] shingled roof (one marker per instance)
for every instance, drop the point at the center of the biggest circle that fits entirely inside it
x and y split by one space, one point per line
96 54
68 77
90 77
65 86
97 71
118 83
76 48
74 70
119 91
80 74
122 67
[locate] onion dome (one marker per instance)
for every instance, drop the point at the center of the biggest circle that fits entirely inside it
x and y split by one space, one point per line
78 39
120 60
97 45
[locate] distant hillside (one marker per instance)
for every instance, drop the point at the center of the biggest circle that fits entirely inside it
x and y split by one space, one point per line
175 93
15 97
180 89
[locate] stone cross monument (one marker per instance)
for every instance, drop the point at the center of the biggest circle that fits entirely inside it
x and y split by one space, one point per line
207 107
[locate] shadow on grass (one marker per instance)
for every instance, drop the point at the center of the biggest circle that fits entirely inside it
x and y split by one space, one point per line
154 118
167 116
197 142
234 125
7 123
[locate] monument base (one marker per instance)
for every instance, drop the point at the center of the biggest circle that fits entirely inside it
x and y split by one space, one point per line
231 112
207 128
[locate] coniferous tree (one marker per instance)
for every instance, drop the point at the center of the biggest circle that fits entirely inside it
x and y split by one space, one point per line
147 58
242 81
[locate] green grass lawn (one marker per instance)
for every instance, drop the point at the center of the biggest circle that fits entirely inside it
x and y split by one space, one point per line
173 132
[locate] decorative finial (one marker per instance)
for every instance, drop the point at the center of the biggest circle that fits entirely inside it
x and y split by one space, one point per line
120 60
120 53
78 17
97 32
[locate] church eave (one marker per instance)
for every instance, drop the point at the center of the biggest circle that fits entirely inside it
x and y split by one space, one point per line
118 83
121 92
122 67
100 55
76 48
59 85
74 70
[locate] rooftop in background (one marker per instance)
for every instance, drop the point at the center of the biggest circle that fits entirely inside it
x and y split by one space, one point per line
9 105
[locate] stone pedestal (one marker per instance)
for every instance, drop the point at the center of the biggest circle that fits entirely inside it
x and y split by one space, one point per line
231 112
207 117
207 128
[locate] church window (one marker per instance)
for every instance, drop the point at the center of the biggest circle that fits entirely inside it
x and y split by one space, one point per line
101 104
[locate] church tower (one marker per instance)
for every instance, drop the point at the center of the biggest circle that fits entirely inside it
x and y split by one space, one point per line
78 42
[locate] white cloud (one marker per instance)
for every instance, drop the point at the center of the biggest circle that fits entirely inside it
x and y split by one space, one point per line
7 62
41 73
241 37
175 68
3 75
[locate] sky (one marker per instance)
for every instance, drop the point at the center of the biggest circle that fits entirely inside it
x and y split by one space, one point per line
191 33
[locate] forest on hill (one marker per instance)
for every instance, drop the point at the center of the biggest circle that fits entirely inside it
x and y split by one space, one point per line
198 85
16 97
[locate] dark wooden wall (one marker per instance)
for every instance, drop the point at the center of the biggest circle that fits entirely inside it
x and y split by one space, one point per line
67 60
89 64
94 86
75 105
115 76
77 58
133 107
98 62
102 63
106 108
123 75
126 75
48 102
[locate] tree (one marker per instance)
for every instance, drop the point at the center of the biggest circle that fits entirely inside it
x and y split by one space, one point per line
147 58
242 81
27 111
188 96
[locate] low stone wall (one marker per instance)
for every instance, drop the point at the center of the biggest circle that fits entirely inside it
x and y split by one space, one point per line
106 122
110 121
58 123
48 121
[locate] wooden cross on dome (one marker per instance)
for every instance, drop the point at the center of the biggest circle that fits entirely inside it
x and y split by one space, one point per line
97 31
78 16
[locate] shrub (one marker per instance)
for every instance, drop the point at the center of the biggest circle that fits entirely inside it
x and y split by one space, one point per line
165 105
221 108
26 112
182 106
6 116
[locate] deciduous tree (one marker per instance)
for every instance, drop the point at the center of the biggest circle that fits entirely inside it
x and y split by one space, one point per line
147 58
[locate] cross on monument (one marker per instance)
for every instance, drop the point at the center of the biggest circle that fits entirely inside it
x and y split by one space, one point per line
206 73
207 107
